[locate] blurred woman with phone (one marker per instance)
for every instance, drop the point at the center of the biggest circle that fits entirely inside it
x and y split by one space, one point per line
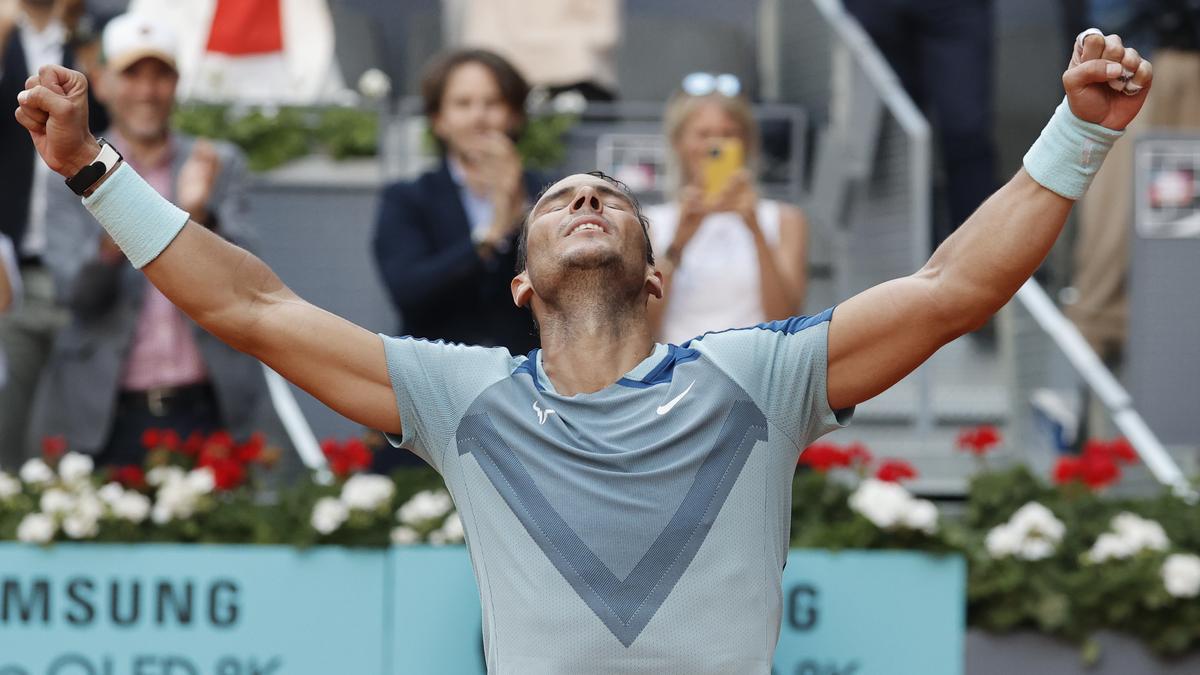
729 257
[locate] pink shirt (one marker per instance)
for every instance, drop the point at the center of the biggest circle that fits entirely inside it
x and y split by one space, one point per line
164 351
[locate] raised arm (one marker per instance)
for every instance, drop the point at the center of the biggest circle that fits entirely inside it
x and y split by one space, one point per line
884 333
224 288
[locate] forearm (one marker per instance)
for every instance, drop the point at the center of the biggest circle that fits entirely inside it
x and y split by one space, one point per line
779 299
221 286
980 267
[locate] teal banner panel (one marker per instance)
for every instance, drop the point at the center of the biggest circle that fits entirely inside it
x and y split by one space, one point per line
872 613
161 609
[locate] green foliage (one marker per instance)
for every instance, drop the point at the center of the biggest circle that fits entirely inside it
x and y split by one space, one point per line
272 136
542 145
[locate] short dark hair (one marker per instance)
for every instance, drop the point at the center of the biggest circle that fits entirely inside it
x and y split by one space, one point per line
522 246
513 88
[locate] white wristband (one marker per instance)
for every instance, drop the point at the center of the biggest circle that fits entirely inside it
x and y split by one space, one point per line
140 221
1068 153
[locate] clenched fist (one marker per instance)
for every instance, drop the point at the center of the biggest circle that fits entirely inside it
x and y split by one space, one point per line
54 109
1106 81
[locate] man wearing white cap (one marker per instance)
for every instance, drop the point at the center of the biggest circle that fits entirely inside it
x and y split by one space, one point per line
129 360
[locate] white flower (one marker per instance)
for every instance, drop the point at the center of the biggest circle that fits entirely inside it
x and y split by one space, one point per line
1033 518
921 515
110 493
80 526
56 501
368 492
569 102
36 528
451 532
1003 541
132 506
1032 533
75 468
425 506
201 481
1129 535
1109 546
1145 533
328 514
36 472
881 502
161 475
9 486
374 84
1181 575
160 514
178 497
404 534
1035 548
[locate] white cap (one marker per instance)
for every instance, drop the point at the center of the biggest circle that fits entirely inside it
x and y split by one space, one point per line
130 38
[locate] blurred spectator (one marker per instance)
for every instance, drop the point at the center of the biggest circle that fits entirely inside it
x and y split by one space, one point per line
255 51
557 44
129 360
942 52
1101 260
444 242
10 290
33 33
729 257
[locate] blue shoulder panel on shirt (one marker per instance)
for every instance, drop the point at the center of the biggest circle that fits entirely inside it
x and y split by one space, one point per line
529 367
789 326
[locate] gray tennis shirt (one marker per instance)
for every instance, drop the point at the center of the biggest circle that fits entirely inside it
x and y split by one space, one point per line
642 528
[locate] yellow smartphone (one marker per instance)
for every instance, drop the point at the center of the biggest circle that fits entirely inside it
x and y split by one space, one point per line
725 158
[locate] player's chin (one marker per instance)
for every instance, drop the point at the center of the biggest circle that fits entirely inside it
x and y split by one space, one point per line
591 254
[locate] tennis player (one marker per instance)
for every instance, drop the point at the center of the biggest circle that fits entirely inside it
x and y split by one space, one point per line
626 503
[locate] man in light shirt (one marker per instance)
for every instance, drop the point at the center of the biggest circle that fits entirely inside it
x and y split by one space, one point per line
129 360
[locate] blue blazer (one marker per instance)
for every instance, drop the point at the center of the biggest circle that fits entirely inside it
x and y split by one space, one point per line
438 283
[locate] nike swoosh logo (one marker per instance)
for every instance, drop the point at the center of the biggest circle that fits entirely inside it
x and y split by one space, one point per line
666 407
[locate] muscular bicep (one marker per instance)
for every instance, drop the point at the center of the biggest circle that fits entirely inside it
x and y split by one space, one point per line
339 363
881 335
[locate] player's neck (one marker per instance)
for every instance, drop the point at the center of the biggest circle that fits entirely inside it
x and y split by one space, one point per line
583 354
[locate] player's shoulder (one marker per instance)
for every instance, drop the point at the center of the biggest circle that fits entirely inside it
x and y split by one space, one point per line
406 351
769 330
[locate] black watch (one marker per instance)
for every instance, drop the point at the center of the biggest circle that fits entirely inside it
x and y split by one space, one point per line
81 183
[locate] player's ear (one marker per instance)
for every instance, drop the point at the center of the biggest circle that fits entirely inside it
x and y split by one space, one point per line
522 289
654 283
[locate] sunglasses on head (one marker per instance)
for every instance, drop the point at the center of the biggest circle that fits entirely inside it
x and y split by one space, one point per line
703 84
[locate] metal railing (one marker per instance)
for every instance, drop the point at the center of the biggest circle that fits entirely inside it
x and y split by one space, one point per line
871 191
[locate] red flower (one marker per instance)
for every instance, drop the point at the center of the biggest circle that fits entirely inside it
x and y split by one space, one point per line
151 438
169 439
131 476
858 455
1068 469
346 458
53 447
824 456
1122 450
228 473
980 440
1096 467
194 444
895 470
251 450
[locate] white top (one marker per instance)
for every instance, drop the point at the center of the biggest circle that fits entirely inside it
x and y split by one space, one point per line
716 285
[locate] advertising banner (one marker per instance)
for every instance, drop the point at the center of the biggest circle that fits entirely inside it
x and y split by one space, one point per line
190 610
165 609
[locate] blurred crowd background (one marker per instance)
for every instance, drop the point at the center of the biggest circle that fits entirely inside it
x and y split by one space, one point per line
380 154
